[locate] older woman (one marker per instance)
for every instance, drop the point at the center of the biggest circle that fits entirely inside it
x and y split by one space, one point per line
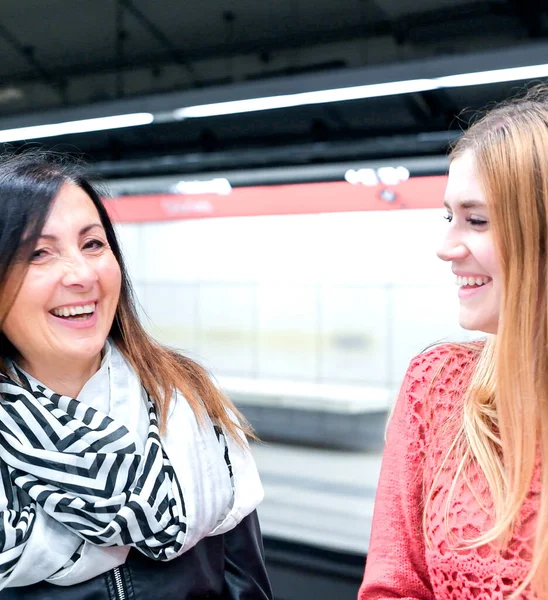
124 472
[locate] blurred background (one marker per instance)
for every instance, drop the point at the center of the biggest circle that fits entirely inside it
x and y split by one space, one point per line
276 172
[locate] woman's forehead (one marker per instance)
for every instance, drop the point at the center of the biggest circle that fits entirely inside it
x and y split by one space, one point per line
72 208
463 183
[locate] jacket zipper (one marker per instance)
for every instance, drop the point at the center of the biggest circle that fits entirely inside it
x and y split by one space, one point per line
119 584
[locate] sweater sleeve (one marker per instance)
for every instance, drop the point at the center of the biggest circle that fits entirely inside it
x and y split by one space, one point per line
396 566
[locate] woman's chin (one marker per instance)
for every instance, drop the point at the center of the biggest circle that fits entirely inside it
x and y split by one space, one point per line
477 323
85 351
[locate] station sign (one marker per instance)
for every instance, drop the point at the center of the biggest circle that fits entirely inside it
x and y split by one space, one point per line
289 199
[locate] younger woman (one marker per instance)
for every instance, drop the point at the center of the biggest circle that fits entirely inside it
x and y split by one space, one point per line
462 504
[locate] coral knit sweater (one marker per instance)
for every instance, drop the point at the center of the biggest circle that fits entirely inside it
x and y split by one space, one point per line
400 564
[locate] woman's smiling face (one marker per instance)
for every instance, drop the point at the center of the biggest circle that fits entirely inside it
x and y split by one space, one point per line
65 307
470 248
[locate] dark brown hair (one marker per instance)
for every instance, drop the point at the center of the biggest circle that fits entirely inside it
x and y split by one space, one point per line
29 184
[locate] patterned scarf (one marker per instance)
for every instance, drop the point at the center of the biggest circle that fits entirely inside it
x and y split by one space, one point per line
81 467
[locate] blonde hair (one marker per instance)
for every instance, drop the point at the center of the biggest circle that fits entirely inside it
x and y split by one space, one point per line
505 419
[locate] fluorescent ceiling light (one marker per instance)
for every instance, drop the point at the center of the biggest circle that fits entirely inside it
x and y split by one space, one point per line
219 185
83 126
337 95
375 90
496 76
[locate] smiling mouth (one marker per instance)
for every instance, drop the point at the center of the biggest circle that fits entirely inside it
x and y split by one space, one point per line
469 283
75 313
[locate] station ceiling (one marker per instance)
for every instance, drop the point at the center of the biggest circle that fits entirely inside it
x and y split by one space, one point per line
64 60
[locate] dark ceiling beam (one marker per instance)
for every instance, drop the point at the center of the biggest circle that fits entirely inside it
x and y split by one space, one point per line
336 117
119 50
152 183
419 108
429 107
398 27
382 148
530 14
163 105
175 54
461 13
482 10
27 53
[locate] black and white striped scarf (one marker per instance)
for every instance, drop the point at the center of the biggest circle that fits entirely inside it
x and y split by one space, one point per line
81 467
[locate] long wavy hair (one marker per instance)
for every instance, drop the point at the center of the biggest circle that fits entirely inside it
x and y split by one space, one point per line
29 184
505 421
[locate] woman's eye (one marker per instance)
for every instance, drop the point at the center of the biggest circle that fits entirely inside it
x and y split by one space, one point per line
39 255
94 245
448 218
477 222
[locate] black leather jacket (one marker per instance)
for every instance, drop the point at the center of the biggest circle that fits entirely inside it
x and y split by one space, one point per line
228 567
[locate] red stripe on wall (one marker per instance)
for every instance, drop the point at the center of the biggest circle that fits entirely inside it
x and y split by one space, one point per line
294 199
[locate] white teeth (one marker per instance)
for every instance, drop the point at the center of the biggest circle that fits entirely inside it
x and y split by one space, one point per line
72 311
472 281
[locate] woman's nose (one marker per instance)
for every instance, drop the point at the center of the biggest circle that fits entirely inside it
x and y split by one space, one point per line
452 249
79 272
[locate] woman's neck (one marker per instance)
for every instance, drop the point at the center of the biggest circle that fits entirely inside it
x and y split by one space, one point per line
67 379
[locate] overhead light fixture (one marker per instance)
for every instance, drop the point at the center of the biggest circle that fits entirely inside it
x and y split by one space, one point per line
359 92
375 90
10 94
320 97
83 126
219 185
494 76
372 177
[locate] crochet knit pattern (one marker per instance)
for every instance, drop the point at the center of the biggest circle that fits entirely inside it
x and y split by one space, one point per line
400 563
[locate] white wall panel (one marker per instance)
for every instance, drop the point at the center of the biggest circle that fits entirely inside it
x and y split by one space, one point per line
347 297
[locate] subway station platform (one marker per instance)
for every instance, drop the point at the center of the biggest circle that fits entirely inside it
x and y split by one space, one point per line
316 518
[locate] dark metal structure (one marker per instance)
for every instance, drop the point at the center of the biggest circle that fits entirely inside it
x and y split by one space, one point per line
65 61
